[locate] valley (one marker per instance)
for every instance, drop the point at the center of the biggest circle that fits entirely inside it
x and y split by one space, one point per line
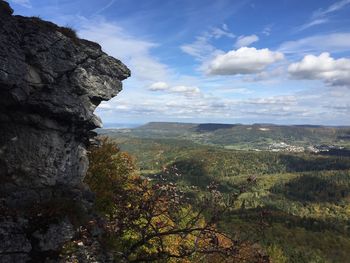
297 208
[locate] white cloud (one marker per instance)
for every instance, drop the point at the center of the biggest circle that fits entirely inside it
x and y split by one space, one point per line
105 106
320 16
243 61
275 100
332 8
157 86
201 48
311 107
187 90
245 41
312 23
227 90
217 32
336 42
180 89
25 3
267 30
267 76
134 52
345 108
335 72
105 7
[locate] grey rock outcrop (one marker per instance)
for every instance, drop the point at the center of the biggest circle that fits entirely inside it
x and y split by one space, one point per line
50 84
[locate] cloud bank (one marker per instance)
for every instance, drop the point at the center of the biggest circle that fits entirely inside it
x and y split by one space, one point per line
334 72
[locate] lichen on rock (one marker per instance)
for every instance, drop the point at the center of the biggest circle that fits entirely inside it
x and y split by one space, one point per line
50 84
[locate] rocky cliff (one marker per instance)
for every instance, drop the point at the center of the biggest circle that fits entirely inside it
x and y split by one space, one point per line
50 84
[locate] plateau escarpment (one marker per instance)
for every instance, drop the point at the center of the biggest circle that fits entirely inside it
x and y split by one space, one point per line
50 84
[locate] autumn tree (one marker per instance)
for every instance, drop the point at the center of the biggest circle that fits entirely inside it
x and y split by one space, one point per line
154 221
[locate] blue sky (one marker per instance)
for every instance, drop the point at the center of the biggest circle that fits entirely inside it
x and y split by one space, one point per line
246 61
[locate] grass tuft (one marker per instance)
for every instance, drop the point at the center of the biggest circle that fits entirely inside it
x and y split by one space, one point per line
68 32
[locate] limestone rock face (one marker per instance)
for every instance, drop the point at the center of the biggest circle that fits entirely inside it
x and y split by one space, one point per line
50 84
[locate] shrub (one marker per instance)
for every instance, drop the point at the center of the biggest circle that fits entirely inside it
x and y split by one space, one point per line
68 32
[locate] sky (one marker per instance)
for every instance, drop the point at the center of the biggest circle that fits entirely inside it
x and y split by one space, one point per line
223 61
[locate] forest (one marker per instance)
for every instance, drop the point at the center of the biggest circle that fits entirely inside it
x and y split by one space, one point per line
294 206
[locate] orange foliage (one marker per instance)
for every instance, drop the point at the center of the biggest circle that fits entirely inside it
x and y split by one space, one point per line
153 222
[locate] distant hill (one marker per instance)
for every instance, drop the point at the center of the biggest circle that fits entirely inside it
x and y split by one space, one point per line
111 125
167 126
207 127
240 136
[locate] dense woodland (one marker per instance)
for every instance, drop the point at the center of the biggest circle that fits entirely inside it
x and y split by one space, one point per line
294 206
